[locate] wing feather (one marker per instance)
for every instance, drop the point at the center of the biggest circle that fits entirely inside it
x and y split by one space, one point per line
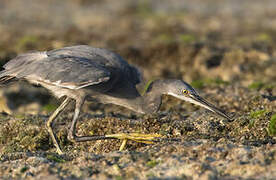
63 71
72 67
69 72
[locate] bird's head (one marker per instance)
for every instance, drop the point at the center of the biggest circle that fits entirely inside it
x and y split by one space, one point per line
186 92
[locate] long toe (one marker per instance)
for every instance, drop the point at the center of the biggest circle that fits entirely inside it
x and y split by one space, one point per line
145 138
137 137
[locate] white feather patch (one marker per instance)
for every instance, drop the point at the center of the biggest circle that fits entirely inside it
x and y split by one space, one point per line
70 85
190 100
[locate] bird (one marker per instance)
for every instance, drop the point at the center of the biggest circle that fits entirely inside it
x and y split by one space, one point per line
79 73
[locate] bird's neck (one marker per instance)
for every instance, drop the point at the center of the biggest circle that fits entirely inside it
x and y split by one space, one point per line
152 98
149 102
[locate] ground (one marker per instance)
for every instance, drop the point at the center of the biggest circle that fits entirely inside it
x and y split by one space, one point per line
225 49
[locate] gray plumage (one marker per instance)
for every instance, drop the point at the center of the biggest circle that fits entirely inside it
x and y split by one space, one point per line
83 72
71 67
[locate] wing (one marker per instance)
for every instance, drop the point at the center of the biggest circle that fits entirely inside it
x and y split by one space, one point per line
102 57
68 72
63 71
72 67
98 55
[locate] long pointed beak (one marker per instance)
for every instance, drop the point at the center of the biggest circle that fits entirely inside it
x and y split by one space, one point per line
202 102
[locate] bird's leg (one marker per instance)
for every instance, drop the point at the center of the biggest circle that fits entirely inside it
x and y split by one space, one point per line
144 138
49 123
72 132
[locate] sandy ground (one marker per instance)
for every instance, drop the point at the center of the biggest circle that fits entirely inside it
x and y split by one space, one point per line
225 49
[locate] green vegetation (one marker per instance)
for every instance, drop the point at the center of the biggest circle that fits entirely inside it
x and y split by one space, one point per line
264 37
201 83
163 38
272 126
218 81
147 86
26 42
152 163
50 107
119 177
24 169
198 84
251 123
55 158
187 38
150 175
258 85
257 114
165 129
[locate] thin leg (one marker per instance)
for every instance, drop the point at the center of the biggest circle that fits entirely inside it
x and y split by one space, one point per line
72 132
144 138
49 123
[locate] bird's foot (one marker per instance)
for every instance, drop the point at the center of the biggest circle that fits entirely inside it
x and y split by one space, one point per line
143 138
55 142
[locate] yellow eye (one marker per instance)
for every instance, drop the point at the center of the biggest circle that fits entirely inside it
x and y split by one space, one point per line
184 91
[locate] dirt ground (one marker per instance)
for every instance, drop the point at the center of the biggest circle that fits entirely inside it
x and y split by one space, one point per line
226 49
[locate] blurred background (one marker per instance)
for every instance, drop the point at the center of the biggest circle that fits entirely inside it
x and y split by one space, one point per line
203 42
226 49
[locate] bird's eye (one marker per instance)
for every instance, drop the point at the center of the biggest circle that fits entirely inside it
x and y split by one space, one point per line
184 91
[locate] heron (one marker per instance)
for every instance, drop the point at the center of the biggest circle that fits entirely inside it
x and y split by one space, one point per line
82 72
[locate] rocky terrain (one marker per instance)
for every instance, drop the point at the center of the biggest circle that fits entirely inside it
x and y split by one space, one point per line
224 49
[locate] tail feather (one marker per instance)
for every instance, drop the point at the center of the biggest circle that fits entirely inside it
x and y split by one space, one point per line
24 59
16 65
6 77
